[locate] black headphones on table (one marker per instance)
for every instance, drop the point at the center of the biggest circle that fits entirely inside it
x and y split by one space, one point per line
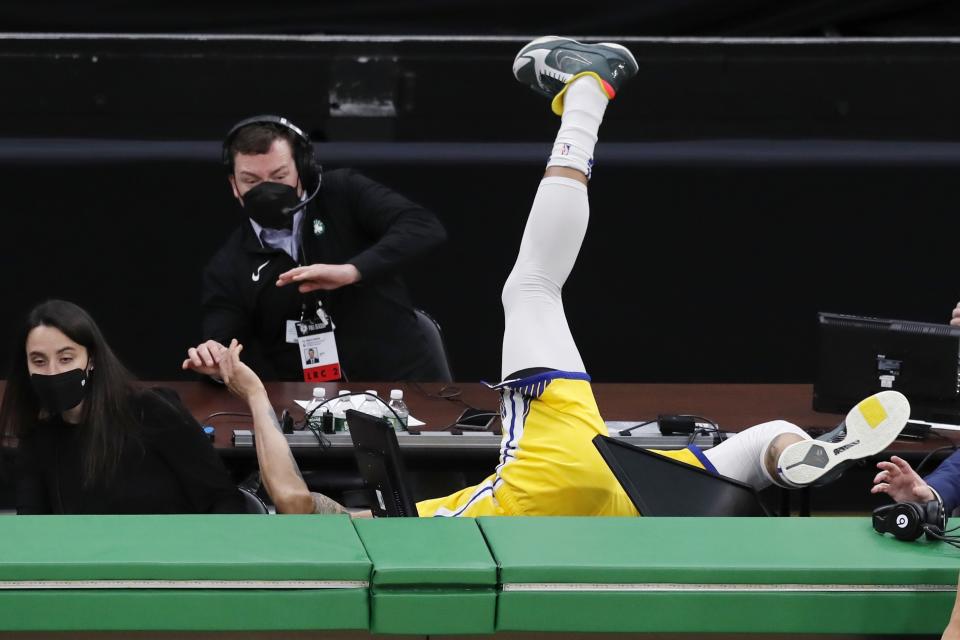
910 520
310 171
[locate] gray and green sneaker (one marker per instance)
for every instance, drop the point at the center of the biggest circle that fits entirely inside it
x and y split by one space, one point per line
548 65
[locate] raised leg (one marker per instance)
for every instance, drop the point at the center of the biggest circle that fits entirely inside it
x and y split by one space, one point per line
536 333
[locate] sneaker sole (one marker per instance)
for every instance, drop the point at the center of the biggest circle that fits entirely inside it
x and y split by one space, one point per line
872 426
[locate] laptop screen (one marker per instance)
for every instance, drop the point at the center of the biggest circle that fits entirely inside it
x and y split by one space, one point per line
660 486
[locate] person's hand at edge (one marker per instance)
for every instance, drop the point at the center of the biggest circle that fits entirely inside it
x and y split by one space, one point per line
898 480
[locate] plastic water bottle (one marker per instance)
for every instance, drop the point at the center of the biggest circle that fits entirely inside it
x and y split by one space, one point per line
398 421
316 410
371 404
340 412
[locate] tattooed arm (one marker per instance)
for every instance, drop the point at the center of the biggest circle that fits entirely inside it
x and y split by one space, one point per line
323 504
278 468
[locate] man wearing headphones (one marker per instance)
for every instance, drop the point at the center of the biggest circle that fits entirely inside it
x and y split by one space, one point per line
314 264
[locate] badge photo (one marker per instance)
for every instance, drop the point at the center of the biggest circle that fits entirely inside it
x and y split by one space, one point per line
318 350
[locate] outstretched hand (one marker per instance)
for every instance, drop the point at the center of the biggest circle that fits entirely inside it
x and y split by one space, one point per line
315 277
224 362
203 358
898 480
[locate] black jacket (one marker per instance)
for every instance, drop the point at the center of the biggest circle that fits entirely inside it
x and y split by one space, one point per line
169 466
354 220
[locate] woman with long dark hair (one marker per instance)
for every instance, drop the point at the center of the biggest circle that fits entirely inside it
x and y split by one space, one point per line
89 440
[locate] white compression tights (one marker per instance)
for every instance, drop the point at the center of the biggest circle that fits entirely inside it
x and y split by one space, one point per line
536 332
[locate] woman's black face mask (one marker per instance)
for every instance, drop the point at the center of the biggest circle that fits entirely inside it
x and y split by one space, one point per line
60 392
270 205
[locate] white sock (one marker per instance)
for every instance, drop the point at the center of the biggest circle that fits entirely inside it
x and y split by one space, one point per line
583 106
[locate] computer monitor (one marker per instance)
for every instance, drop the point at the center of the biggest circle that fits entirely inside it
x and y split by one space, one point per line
377 452
660 486
860 356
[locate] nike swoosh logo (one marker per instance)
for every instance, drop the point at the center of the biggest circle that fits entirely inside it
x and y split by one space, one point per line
520 63
576 57
256 276
539 56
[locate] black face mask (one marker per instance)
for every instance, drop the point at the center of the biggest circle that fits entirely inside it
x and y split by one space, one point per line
60 392
266 202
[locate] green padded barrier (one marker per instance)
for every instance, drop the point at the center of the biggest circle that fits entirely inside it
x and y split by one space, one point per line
430 576
182 572
183 610
220 547
865 614
770 575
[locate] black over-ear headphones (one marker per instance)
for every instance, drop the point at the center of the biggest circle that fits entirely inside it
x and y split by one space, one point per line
308 168
910 520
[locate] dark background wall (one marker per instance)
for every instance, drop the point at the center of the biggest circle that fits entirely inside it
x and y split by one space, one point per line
749 18
741 186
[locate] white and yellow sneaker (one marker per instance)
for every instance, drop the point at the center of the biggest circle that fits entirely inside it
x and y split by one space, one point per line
869 428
